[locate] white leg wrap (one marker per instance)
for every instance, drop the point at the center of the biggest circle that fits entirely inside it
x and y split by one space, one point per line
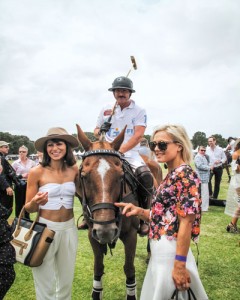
97 288
132 289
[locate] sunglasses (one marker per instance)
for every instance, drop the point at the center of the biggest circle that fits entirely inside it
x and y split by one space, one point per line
22 151
161 145
202 150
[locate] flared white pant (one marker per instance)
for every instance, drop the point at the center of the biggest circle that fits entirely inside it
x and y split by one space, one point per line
53 279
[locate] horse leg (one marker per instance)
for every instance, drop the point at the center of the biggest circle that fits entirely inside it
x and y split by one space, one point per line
98 251
130 243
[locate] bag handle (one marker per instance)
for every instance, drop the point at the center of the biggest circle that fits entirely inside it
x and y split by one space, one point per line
18 227
191 295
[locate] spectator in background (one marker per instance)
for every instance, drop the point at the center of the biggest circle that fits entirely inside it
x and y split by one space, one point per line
7 253
203 171
6 191
231 144
39 158
217 158
144 148
22 167
233 197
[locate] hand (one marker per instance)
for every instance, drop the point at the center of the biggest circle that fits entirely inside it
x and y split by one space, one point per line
1 168
41 198
105 127
129 209
9 191
181 276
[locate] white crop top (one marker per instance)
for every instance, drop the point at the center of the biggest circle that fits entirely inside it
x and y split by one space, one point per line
59 194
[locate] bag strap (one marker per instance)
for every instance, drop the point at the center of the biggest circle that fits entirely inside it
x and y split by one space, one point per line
190 292
175 294
191 295
18 227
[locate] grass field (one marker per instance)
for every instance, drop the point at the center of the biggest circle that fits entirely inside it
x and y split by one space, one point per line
218 262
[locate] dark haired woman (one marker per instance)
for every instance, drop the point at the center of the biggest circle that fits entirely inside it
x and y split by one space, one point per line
51 190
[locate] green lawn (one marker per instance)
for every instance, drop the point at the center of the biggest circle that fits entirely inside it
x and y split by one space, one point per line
218 263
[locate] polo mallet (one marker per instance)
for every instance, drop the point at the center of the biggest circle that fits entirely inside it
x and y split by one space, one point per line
134 65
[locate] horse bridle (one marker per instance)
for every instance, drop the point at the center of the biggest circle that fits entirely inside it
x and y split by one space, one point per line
88 210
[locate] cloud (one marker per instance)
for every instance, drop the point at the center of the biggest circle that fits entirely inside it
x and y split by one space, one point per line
58 58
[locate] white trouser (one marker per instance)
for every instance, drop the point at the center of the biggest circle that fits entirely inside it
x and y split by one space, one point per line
53 279
134 159
205 196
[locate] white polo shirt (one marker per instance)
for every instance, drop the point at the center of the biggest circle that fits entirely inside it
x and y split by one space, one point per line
132 116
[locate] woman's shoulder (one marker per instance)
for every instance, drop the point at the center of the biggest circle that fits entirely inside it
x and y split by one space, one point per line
36 170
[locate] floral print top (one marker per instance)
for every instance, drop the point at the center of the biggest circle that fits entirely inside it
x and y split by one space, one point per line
178 194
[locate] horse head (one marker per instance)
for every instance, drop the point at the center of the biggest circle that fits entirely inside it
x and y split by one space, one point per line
101 184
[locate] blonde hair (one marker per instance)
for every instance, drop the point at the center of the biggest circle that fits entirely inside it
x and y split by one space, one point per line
178 134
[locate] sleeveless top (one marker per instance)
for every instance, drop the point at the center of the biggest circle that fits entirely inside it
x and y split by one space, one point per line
59 194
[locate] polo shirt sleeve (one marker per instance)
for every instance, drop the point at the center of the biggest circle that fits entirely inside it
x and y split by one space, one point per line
141 118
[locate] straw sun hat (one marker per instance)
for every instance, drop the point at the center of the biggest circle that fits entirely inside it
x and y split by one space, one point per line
56 133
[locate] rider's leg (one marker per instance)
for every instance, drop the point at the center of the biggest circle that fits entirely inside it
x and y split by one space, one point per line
145 192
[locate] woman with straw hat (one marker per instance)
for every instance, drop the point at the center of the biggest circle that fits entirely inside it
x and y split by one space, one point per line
51 190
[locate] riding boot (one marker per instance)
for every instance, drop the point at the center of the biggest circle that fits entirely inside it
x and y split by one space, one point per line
145 193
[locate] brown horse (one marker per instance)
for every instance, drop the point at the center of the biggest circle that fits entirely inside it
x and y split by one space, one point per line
104 179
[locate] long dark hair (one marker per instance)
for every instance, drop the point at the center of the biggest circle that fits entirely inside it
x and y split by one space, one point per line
69 158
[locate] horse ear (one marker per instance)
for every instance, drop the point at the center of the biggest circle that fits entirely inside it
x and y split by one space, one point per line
118 140
83 139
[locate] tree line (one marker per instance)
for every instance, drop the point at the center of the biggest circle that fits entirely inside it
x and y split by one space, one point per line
199 138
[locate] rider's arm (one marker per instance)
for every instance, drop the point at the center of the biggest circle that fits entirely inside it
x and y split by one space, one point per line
134 140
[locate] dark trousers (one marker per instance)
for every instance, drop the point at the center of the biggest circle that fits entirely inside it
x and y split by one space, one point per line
6 200
217 172
7 273
20 197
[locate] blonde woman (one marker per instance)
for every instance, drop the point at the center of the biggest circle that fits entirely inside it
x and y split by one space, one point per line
174 219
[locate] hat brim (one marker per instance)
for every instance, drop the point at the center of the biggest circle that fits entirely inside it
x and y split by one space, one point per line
71 140
236 142
122 88
4 144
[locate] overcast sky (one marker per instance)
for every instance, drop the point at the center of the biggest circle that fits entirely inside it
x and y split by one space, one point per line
59 57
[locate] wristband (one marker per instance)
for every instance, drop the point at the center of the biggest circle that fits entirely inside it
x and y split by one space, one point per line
181 258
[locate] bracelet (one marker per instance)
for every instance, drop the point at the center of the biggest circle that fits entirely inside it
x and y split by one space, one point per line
181 258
